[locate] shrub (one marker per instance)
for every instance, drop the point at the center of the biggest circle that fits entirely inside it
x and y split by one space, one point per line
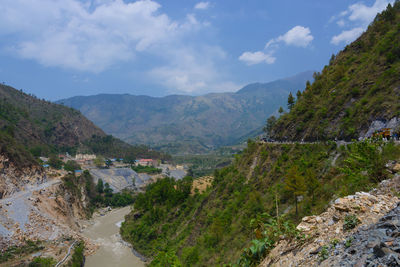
350 221
324 253
42 262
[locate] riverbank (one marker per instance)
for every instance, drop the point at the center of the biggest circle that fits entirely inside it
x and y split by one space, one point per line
112 251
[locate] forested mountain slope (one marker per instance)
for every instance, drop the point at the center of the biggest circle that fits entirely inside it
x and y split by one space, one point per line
360 85
213 228
29 125
187 124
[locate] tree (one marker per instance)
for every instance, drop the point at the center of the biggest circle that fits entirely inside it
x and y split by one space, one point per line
281 110
269 125
99 161
332 59
312 183
108 190
71 166
55 162
298 94
290 101
100 186
294 184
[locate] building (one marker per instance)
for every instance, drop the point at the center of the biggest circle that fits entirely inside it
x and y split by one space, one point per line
85 157
146 162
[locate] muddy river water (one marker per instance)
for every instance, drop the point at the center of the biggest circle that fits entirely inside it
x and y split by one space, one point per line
104 230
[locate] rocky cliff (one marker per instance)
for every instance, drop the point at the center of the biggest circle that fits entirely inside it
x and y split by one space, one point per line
357 230
14 179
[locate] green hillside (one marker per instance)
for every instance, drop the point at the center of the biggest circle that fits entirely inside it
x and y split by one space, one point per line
214 227
33 127
186 124
361 84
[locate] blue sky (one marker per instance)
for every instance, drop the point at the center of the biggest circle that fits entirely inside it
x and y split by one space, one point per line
62 48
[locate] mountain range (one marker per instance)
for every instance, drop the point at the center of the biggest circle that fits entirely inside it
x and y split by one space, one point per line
188 124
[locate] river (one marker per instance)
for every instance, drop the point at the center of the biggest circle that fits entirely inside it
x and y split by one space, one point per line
104 230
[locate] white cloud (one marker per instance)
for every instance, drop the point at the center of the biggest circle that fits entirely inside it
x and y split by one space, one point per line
251 58
86 36
365 14
341 23
94 35
297 36
357 18
193 71
202 5
347 36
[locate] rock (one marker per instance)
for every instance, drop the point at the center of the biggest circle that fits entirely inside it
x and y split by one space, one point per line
315 251
305 227
309 219
341 207
396 167
335 218
378 251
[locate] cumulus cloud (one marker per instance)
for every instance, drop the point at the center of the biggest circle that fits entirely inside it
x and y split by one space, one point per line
365 14
94 35
251 58
202 5
347 36
357 17
86 36
297 36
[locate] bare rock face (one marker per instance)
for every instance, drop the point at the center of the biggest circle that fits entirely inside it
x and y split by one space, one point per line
34 207
331 241
13 179
376 125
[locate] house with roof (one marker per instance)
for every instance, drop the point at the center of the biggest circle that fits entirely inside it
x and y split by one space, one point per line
146 162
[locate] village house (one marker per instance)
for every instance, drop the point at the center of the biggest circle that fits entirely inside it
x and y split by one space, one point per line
83 159
146 162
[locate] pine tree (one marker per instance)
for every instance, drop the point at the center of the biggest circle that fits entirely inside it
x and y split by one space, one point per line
312 183
269 125
290 101
280 110
298 94
295 184
100 186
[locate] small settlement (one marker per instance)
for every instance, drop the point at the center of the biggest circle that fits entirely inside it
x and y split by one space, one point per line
92 161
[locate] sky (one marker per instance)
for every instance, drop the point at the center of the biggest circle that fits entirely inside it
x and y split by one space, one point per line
56 49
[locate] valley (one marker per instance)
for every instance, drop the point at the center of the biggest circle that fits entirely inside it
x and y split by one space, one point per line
300 171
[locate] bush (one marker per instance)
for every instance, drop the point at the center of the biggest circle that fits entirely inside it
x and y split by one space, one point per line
71 166
55 162
78 258
146 169
350 222
164 259
42 262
